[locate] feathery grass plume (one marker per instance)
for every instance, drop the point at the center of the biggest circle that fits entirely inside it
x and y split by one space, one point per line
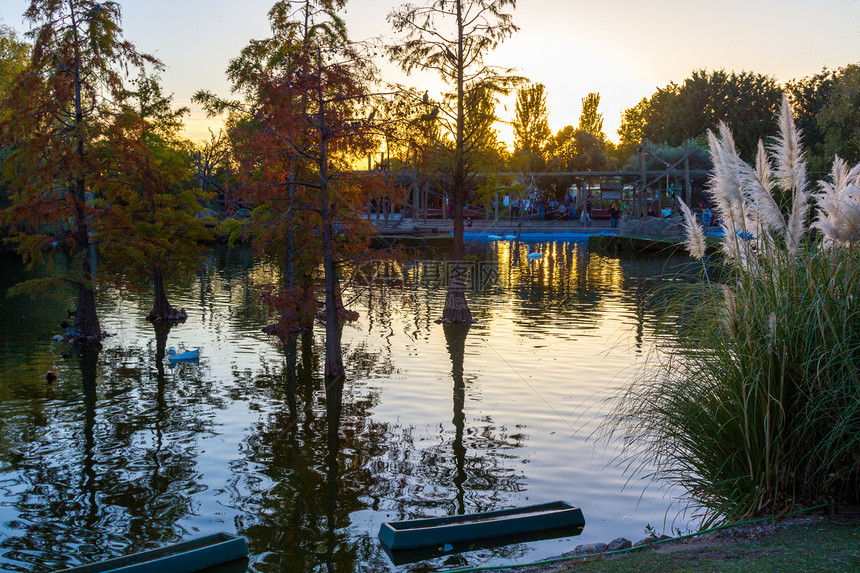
791 174
726 189
788 150
695 233
838 202
758 186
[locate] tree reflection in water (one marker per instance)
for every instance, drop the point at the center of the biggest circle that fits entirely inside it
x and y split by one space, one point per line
102 479
455 337
122 454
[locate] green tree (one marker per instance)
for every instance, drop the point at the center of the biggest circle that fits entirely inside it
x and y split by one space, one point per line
590 120
746 101
572 149
14 55
59 108
576 150
488 155
148 227
452 38
809 96
633 123
840 116
531 127
630 134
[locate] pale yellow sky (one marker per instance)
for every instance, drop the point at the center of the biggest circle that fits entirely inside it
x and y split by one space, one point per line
624 49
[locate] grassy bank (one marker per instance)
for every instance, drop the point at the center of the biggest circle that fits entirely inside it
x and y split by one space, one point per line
815 544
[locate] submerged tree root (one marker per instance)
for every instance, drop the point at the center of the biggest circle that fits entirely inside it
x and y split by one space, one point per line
284 332
172 315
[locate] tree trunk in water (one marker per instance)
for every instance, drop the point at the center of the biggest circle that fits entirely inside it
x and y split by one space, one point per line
456 306
86 318
161 308
333 352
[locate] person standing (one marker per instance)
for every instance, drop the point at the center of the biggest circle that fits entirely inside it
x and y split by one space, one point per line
614 215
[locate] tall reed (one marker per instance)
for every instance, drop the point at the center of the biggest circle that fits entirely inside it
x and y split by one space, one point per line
757 408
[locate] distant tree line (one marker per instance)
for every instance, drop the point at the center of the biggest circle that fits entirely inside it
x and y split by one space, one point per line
826 105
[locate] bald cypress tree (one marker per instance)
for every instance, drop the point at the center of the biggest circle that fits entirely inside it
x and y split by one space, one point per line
59 107
452 38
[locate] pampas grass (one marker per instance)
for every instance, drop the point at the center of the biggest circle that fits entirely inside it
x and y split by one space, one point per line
695 234
756 409
838 217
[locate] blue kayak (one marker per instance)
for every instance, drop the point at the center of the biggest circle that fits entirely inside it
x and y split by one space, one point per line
173 356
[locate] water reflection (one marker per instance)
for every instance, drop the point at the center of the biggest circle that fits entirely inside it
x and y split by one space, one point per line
122 454
455 336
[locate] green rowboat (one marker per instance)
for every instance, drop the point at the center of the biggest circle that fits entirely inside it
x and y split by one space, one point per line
457 529
185 557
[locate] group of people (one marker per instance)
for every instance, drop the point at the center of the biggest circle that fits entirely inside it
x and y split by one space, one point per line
541 208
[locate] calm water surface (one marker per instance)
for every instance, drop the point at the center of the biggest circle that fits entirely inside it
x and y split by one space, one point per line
124 453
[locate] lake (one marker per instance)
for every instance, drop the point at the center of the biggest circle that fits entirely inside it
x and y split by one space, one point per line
125 453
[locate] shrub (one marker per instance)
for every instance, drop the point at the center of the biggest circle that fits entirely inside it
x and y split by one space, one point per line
756 409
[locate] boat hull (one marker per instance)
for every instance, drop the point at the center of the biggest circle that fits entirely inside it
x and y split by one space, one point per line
185 557
430 532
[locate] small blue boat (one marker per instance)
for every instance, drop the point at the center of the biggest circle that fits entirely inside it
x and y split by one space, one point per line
172 355
455 529
185 557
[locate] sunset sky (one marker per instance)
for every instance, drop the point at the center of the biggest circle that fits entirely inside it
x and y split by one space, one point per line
623 49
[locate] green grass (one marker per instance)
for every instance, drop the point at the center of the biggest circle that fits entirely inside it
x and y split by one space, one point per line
827 546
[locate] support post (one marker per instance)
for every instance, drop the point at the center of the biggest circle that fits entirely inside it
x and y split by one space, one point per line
642 203
688 185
